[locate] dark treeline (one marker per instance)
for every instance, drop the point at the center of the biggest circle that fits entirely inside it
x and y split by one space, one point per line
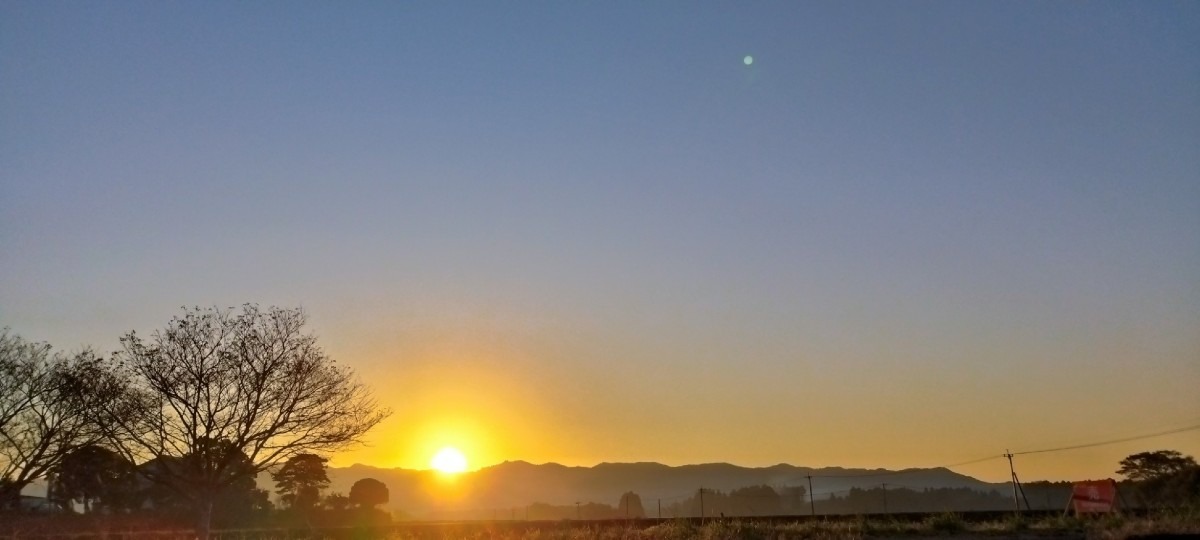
1170 489
747 501
175 426
1160 479
765 500
95 481
901 499
628 507
768 501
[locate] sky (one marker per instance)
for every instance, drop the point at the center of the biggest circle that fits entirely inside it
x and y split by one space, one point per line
905 234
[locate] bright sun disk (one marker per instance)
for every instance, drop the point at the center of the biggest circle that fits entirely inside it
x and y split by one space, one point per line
449 460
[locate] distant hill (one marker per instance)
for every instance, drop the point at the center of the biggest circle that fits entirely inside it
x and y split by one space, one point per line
506 488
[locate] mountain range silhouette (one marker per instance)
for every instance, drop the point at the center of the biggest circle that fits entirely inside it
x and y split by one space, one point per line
503 488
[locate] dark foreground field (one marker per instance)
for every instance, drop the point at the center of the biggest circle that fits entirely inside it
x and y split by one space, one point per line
1180 524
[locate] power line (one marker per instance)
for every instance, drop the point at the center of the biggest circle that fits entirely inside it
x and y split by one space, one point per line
1113 441
973 461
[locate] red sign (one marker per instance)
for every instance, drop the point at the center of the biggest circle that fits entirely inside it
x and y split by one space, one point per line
1094 496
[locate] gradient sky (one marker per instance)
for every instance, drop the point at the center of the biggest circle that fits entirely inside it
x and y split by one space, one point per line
909 234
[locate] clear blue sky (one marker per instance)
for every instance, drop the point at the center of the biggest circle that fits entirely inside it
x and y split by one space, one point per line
909 232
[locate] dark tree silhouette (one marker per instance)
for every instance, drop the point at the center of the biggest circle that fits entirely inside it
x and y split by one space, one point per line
368 493
765 500
300 481
337 501
1163 477
46 404
96 477
630 506
1153 465
252 380
215 466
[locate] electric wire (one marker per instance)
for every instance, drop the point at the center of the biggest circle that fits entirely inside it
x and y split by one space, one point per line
1112 441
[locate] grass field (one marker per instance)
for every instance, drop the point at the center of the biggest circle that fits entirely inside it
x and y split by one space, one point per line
942 526
946 526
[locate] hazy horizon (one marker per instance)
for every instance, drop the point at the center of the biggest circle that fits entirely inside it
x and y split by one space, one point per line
903 235
992 466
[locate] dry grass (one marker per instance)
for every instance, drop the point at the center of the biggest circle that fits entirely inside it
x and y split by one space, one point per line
945 526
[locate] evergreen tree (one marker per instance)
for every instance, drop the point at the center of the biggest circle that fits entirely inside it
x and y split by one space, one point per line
300 481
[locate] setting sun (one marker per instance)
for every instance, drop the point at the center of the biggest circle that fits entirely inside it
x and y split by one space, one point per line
449 460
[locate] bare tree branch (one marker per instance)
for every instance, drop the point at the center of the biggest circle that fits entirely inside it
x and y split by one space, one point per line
249 383
46 406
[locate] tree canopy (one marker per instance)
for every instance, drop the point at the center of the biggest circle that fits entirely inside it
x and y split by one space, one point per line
368 492
630 506
216 385
96 477
1163 477
1154 465
299 481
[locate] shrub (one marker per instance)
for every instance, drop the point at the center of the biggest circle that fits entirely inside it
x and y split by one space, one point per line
948 523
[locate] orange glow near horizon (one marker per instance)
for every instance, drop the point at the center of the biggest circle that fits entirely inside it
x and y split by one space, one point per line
497 391
464 388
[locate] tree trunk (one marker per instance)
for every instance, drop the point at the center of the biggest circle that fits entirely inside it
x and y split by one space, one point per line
10 494
204 518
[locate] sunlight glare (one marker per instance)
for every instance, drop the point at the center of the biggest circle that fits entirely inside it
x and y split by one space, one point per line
449 460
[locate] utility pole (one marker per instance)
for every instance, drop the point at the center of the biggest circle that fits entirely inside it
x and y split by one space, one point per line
812 504
577 514
885 497
701 505
1017 502
660 509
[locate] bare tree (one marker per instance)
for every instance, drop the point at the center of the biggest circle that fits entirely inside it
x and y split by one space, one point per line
18 359
46 405
252 382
